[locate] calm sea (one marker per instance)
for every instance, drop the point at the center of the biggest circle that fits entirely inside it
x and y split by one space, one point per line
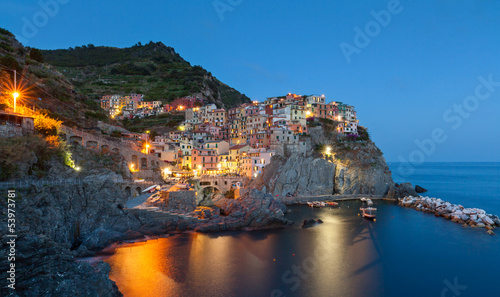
403 253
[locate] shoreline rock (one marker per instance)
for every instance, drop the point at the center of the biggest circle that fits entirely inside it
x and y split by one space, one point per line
311 223
419 189
473 217
401 190
61 223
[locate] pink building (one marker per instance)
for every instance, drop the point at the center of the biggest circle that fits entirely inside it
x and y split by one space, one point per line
205 160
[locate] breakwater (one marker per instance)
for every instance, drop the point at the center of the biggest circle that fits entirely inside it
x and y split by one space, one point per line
473 217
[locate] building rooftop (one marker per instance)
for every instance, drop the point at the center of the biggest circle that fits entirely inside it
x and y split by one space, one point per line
237 147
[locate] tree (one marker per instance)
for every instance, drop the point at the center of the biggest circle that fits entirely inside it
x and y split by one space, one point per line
152 135
36 55
10 62
46 125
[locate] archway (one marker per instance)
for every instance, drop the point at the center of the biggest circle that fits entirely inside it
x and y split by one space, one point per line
139 190
91 144
75 140
144 163
135 161
128 191
105 148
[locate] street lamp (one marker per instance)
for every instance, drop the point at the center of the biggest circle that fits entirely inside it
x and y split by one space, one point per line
15 95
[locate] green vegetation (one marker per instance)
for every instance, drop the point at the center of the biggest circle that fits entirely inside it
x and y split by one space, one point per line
326 121
30 153
99 115
116 133
6 47
6 32
363 133
140 125
10 62
36 55
154 70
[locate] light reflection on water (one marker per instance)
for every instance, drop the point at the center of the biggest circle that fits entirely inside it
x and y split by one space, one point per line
404 253
324 260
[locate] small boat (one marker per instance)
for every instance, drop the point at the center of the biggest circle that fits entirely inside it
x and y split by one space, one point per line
316 204
150 189
369 213
332 203
369 201
363 199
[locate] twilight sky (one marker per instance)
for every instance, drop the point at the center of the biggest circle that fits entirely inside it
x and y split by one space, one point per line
417 72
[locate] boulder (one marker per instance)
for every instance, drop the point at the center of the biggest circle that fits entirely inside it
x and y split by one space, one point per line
419 189
401 190
488 221
311 222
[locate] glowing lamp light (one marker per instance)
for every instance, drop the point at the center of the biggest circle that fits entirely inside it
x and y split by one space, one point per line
77 168
15 95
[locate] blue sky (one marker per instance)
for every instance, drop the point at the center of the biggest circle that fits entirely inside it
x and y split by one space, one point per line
405 78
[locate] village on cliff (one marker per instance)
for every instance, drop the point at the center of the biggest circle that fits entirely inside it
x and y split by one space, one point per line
241 140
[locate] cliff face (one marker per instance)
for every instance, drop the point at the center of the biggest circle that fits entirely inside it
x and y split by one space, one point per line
349 168
54 221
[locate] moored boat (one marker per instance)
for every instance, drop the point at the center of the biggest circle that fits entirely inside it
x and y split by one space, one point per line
369 213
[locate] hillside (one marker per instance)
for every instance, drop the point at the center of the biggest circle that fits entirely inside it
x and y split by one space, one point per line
44 90
154 70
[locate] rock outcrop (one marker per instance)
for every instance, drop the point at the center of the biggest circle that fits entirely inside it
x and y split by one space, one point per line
311 223
419 189
254 210
401 190
349 168
57 224
52 224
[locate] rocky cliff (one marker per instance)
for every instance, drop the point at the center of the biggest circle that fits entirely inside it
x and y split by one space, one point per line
253 210
348 167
